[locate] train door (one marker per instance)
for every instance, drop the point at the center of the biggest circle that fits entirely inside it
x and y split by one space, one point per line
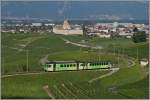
81 66
50 67
109 64
85 66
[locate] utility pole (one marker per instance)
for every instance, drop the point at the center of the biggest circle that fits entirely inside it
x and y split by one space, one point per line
80 49
137 54
27 56
114 50
99 55
122 52
118 58
3 66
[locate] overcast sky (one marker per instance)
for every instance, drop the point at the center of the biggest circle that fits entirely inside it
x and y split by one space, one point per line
76 9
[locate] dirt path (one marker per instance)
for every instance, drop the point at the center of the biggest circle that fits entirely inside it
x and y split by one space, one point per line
47 90
131 62
81 45
23 74
44 59
113 70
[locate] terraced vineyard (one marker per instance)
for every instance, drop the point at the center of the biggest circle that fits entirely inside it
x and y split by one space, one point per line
71 84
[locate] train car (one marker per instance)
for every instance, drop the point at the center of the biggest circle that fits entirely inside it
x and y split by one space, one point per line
82 65
60 65
94 65
49 66
101 64
75 65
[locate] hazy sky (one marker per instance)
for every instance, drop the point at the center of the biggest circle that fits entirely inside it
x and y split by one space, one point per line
76 9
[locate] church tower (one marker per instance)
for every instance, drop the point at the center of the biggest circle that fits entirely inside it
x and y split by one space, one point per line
66 25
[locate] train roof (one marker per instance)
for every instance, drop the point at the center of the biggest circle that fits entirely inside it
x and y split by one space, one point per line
60 62
93 61
72 61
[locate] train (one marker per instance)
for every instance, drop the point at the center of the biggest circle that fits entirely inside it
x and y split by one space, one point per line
75 65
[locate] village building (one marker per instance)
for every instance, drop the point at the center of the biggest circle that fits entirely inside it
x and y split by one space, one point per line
67 29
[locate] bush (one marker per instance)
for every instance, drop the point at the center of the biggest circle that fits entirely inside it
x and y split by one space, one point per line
139 37
24 68
5 71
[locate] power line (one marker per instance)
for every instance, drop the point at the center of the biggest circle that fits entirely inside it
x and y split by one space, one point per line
114 50
27 62
3 66
137 54
118 58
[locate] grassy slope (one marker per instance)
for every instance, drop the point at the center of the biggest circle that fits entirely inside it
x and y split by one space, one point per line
31 86
138 89
13 59
119 44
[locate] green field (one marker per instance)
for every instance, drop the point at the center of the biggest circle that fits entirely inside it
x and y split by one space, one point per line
72 84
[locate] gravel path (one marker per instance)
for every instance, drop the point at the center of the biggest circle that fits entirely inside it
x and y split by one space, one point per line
113 70
44 59
47 90
81 45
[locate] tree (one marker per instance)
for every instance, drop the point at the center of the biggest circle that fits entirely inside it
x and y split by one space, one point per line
139 37
135 29
51 28
84 30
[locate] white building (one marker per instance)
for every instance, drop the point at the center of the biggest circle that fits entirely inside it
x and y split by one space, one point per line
103 30
36 24
66 29
49 24
144 62
102 35
66 25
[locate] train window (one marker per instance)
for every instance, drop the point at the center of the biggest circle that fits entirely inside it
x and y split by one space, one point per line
64 65
99 63
82 64
106 63
61 65
74 64
68 65
49 65
103 63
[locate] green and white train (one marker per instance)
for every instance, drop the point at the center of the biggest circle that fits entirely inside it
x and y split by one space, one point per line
75 65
